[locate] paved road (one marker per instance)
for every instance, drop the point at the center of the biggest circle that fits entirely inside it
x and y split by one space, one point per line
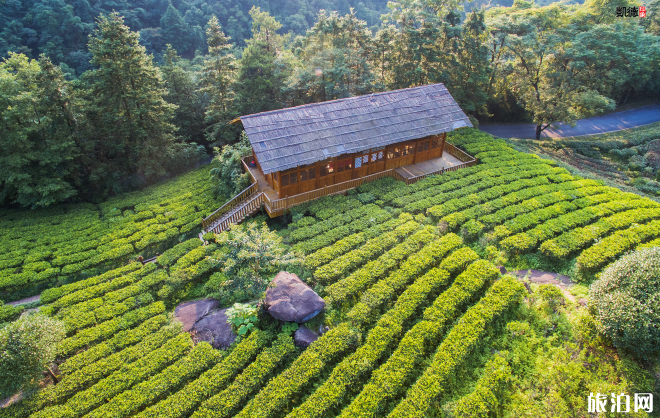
596 125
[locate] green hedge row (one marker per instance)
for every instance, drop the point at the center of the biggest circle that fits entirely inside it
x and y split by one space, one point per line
579 238
488 194
390 379
111 304
85 377
227 402
386 289
342 265
55 293
371 220
650 244
185 401
524 201
327 254
434 199
452 188
331 223
171 256
79 239
106 329
348 375
527 241
130 374
283 389
615 245
527 220
200 358
485 398
99 289
521 199
370 273
118 342
456 348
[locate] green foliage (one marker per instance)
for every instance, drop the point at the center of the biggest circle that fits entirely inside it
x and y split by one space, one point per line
39 146
289 328
250 255
624 301
243 318
9 312
130 122
551 295
488 392
28 346
229 174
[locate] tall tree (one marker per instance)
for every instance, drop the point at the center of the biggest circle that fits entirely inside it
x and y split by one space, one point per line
177 32
333 59
182 91
129 121
217 81
546 84
263 68
38 144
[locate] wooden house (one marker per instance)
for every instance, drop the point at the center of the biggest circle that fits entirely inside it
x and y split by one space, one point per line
306 152
312 146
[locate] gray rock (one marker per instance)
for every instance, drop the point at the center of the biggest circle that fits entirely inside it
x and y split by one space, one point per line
191 312
304 336
214 329
289 299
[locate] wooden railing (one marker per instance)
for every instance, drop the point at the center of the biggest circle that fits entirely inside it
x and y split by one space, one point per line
232 203
247 209
458 153
278 205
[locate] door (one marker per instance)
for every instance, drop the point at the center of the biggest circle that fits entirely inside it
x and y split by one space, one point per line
436 147
423 148
361 165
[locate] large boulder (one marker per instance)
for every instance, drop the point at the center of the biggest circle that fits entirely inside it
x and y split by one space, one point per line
191 312
202 318
290 299
215 330
304 336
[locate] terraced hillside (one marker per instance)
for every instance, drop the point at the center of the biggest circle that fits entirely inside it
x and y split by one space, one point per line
42 248
421 322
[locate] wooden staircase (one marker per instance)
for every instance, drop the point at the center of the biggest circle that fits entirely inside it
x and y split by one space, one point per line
234 211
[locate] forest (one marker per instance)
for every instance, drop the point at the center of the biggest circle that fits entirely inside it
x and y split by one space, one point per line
98 99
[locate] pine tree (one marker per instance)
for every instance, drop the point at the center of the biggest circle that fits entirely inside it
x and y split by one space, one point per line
129 121
181 91
217 81
38 145
262 70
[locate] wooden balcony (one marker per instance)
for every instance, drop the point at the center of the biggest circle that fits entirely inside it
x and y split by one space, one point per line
261 193
453 159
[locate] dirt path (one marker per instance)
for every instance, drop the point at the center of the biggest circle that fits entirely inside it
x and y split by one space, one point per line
546 277
24 301
597 125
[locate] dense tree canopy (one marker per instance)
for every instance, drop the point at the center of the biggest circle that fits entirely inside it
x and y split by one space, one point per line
135 100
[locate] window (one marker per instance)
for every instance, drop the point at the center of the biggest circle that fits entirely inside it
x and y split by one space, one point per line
358 162
293 178
326 169
285 180
397 152
312 173
408 149
303 175
365 159
435 143
344 165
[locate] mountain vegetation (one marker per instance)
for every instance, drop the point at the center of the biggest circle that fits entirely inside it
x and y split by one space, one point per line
95 102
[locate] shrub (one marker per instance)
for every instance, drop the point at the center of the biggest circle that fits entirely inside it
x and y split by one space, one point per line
27 347
9 312
242 318
625 301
